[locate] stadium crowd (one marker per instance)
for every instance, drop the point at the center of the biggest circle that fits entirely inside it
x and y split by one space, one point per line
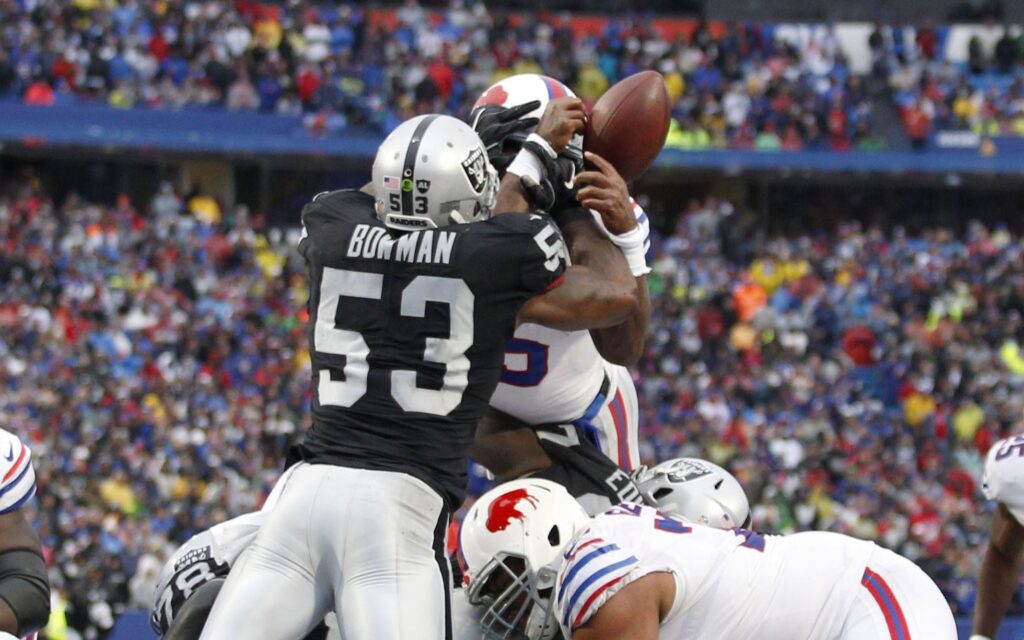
984 95
741 88
155 360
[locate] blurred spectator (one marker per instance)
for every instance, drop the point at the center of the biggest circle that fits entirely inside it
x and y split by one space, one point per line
741 88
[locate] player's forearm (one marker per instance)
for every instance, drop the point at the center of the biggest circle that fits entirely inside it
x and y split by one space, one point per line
583 300
624 343
996 583
511 197
8 621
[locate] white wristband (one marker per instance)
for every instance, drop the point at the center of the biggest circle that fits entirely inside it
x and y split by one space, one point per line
632 245
978 636
544 144
526 164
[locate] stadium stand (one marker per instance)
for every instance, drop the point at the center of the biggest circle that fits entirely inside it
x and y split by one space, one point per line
155 360
155 355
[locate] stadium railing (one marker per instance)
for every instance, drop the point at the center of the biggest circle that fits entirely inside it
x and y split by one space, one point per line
252 134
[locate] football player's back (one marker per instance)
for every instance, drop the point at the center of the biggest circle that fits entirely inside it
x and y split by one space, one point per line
729 583
409 329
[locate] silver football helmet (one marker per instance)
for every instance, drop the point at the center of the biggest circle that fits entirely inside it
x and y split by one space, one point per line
430 172
696 491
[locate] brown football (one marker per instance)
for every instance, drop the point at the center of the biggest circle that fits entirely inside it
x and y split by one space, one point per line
628 124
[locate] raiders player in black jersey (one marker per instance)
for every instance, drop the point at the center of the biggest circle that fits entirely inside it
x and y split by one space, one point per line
410 309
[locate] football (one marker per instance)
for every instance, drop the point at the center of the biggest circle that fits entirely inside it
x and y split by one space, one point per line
628 124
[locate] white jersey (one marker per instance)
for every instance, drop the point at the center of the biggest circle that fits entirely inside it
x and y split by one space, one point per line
733 584
549 376
206 555
17 478
553 377
1003 479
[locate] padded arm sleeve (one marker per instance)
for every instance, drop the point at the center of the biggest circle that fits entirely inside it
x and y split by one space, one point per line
25 588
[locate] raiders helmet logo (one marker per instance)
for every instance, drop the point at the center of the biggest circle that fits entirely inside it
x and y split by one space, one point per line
476 169
691 470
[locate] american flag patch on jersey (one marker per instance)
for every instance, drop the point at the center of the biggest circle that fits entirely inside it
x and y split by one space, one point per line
592 567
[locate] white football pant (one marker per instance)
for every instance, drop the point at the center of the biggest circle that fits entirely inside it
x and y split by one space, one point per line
368 544
897 601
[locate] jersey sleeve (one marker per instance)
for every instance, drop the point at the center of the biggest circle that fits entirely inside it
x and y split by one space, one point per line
346 205
194 564
1003 478
543 254
17 478
595 568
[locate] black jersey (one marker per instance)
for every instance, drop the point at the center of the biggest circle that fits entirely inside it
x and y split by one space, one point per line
408 332
586 473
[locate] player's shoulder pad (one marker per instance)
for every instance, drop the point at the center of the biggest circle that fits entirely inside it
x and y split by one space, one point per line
343 204
521 223
1003 477
17 478
595 566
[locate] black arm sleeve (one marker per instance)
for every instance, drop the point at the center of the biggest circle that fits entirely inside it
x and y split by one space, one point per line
25 588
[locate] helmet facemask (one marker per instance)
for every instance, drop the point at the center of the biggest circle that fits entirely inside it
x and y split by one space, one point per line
518 599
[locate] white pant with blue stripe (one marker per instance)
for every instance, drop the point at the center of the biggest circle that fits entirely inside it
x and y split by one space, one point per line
616 419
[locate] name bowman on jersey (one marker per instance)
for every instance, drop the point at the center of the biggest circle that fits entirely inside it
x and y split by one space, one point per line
473 276
407 333
17 477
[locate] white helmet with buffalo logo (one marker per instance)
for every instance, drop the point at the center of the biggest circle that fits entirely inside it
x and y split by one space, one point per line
522 88
510 546
515 91
430 172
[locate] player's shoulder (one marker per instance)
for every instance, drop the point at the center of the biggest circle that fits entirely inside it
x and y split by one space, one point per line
340 205
598 562
525 224
1003 478
17 478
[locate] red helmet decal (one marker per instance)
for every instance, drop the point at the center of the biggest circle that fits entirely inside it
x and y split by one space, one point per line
495 95
504 509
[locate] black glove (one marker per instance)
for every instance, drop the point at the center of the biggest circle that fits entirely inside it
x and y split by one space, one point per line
497 125
556 190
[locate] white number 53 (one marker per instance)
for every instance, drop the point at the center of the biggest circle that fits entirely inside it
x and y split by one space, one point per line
451 351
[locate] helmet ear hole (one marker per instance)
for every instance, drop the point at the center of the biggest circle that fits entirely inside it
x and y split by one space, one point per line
662 493
554 537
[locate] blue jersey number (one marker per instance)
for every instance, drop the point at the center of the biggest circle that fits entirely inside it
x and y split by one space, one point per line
536 354
751 539
662 522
